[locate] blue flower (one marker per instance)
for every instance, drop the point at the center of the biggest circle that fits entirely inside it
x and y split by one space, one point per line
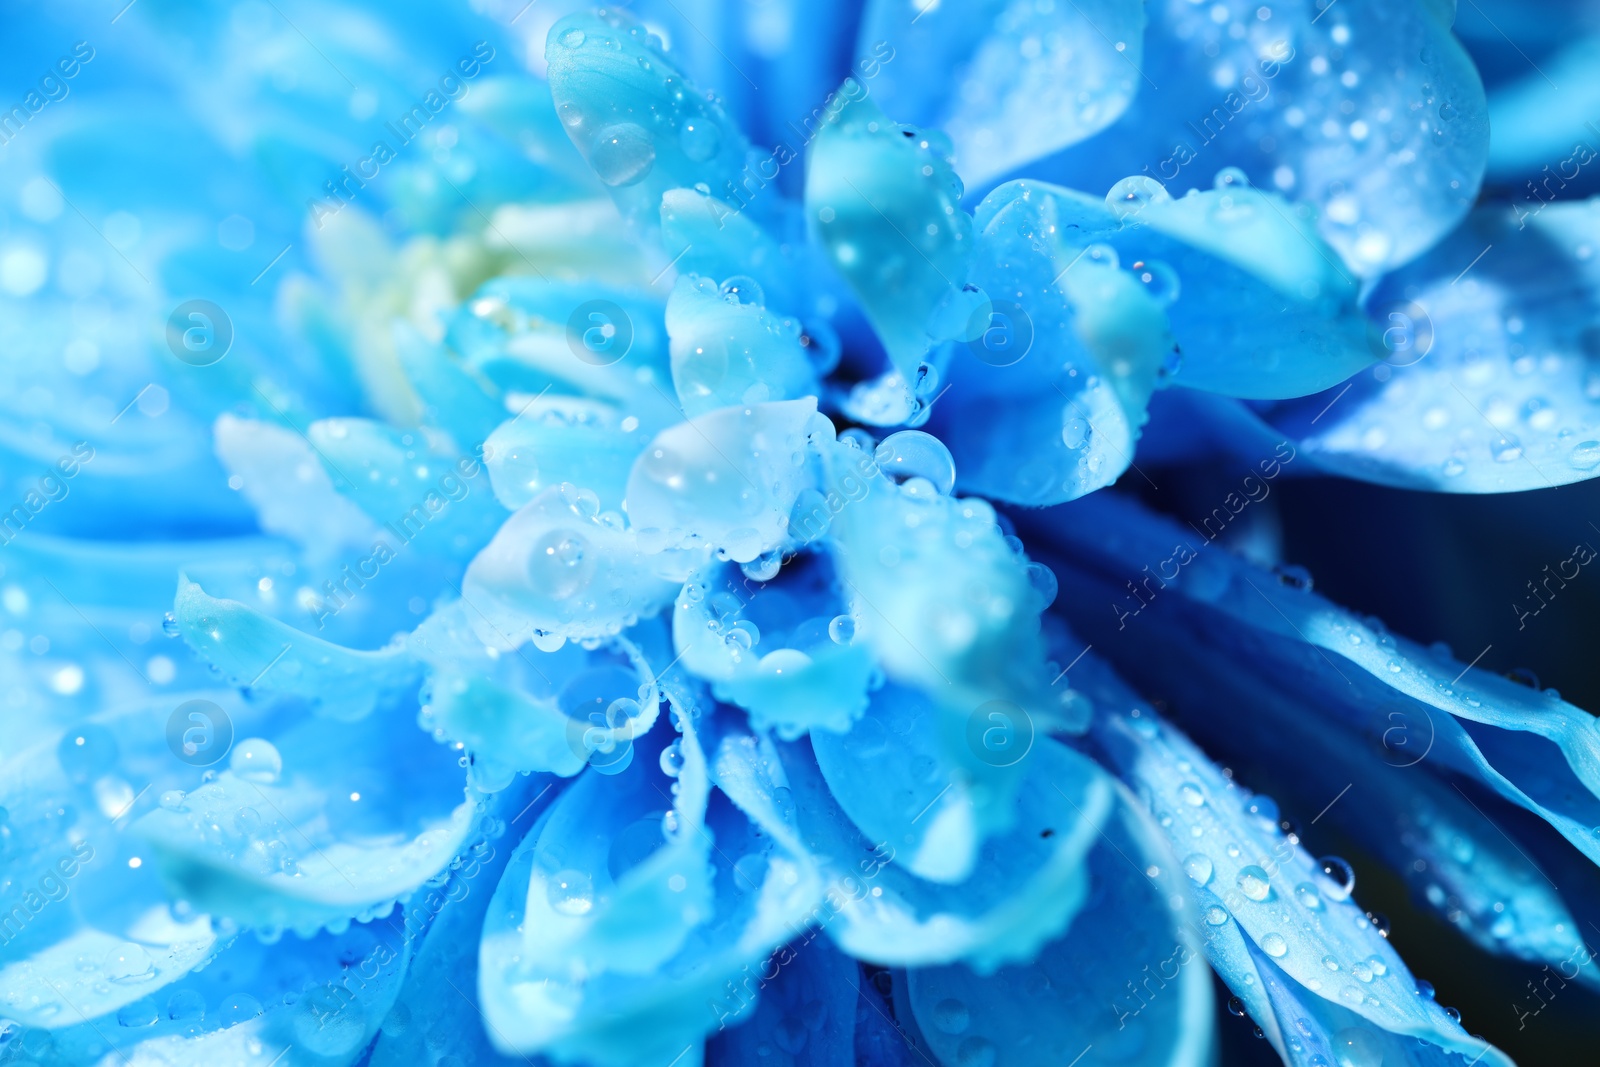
622 537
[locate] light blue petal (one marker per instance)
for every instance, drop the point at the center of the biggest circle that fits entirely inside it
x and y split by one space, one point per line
560 570
1256 885
1372 114
728 349
727 479
258 652
1067 344
1027 884
1132 934
1008 80
292 493
358 818
613 942
529 710
427 499
804 1015
554 439
1471 722
1490 386
886 204
772 647
640 123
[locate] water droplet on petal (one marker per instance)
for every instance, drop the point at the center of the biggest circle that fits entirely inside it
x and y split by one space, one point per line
571 892
256 760
1198 867
1339 878
622 154
1253 883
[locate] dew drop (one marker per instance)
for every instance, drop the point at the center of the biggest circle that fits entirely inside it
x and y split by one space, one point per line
572 38
1355 1047
622 154
1198 867
1253 883
1585 455
914 454
142 1012
1339 878
842 630
1216 915
238 1008
1275 946
129 964
951 1016
1192 795
1132 195
672 759
1306 894
571 892
700 139
256 760
169 625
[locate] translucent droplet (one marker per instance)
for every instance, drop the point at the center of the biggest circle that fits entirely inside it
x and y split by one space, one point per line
1338 878
186 1005
169 625
1132 195
238 1008
1330 963
742 289
700 139
1216 915
142 1012
1424 989
1198 867
1192 795
1306 894
256 760
1254 884
1355 1047
622 154
1230 178
842 630
951 1016
1585 455
1159 280
1505 448
172 799
975 1052
914 454
1236 1007
1380 922
571 892
129 964
1275 946
573 38
557 564
672 759
1075 432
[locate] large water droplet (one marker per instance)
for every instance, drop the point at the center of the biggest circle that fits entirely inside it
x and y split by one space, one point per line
1338 878
1275 946
672 759
1253 883
700 139
622 154
1132 195
1355 1047
571 892
256 760
129 964
1585 455
951 1016
1505 448
1192 795
914 454
142 1012
238 1008
1198 867
559 564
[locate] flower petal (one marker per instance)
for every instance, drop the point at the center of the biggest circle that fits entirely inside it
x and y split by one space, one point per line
1490 387
1008 80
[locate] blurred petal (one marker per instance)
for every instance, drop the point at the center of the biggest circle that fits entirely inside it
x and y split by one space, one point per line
1008 81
